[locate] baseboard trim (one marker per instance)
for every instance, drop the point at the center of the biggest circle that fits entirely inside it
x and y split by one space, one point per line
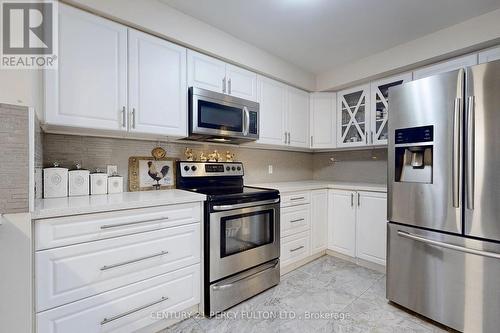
357 261
302 262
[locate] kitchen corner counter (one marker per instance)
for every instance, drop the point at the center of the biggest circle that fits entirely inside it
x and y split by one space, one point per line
58 207
307 185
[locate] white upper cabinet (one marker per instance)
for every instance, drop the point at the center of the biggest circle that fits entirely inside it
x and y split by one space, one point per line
157 86
323 108
352 116
206 72
241 83
215 75
379 107
446 66
489 55
297 119
272 98
371 226
89 90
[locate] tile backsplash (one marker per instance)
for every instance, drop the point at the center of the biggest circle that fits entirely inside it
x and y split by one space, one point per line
368 166
97 152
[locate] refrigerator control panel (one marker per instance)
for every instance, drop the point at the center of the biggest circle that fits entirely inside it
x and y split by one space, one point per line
415 135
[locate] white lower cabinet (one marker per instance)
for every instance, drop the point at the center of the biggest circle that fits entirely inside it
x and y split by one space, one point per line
371 227
357 224
110 271
295 248
342 227
126 309
319 220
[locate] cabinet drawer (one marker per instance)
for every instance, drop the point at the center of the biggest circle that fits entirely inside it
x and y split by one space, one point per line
70 273
295 219
69 230
295 198
126 309
294 248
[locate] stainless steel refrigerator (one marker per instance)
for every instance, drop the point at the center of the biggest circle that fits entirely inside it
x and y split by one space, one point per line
444 198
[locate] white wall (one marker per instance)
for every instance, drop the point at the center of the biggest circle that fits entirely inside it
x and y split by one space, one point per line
479 31
22 87
165 21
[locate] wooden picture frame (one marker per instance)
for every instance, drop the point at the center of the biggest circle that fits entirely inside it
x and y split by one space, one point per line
146 173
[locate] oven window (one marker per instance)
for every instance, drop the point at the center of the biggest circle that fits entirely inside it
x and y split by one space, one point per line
218 116
246 231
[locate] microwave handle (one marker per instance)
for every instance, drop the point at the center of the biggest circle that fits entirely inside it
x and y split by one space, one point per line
246 121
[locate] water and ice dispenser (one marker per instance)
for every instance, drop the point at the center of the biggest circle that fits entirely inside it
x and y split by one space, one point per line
413 154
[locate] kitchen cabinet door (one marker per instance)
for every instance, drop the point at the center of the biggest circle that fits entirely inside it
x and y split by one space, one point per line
206 72
379 107
89 89
323 115
157 86
298 118
352 116
371 226
489 55
446 66
319 220
241 83
342 222
272 100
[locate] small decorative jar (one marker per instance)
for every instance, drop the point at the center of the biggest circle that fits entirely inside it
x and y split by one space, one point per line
55 182
98 182
78 181
115 184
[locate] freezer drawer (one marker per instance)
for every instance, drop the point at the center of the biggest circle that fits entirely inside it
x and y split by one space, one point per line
429 273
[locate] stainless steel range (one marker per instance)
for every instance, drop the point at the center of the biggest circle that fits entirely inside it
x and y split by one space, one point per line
241 233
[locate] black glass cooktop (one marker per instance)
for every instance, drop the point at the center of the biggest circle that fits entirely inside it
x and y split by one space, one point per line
221 193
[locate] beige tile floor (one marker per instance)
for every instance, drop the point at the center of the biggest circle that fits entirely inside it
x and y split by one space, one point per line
352 296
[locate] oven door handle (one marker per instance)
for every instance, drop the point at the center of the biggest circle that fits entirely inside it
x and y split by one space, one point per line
244 205
231 284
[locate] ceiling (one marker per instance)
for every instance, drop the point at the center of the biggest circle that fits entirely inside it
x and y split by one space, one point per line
318 35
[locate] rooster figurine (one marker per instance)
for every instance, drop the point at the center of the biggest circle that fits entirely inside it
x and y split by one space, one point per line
157 176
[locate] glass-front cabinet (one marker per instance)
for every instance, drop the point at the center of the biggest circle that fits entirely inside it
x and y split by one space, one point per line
353 116
379 107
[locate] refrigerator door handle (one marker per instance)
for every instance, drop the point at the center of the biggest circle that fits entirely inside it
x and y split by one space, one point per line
457 138
470 152
448 246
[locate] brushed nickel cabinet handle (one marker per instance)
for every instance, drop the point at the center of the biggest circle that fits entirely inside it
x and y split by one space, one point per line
109 226
297 248
352 199
106 267
110 319
359 199
297 198
133 117
229 86
124 117
224 85
297 220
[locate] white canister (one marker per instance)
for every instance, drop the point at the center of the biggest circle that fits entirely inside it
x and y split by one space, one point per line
115 184
98 183
55 182
78 182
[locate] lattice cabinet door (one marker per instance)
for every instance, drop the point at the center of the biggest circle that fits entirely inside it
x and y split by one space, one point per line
352 117
380 108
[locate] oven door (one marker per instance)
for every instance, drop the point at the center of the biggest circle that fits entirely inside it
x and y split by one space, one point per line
243 238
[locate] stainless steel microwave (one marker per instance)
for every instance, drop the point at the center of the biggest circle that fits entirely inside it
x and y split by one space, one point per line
222 118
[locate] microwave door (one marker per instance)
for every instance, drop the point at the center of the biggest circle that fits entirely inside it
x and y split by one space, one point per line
424 156
482 152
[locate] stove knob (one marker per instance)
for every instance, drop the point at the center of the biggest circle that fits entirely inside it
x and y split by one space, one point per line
228 168
238 168
186 168
233 168
193 168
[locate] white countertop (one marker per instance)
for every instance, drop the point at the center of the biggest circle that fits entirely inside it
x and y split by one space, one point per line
305 185
56 207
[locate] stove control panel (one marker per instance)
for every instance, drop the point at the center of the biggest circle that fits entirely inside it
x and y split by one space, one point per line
210 169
